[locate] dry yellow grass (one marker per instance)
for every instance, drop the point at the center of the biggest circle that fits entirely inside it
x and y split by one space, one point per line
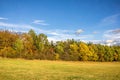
20 69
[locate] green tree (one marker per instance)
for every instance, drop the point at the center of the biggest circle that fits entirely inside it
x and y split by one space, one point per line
19 46
101 52
42 42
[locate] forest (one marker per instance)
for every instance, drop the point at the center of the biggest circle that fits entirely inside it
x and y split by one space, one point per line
36 46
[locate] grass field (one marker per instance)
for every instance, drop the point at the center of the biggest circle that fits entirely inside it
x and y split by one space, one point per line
20 69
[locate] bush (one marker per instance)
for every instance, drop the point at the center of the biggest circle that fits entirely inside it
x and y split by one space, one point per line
8 52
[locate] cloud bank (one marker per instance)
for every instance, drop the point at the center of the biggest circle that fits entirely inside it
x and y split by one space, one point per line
110 37
54 34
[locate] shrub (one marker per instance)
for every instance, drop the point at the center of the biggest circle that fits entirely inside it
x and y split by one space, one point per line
8 52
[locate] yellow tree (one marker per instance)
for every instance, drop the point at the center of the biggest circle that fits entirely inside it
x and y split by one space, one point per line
74 55
94 51
84 52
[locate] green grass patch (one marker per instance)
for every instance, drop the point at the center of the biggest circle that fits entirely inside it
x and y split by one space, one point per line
20 69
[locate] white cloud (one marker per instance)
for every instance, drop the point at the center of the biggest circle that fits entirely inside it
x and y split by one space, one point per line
116 31
40 22
18 27
93 41
95 32
104 42
79 31
64 36
9 25
109 37
53 39
112 37
59 34
110 20
109 41
2 18
112 34
55 35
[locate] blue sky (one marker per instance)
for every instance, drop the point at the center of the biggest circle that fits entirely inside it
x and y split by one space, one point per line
87 20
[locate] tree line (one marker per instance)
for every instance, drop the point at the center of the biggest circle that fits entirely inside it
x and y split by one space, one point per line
36 46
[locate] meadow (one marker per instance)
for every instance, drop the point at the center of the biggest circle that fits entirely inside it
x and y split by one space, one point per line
21 69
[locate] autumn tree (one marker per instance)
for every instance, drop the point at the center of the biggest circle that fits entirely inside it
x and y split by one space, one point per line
84 52
74 54
94 51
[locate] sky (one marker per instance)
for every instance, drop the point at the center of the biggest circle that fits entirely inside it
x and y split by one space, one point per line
86 20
